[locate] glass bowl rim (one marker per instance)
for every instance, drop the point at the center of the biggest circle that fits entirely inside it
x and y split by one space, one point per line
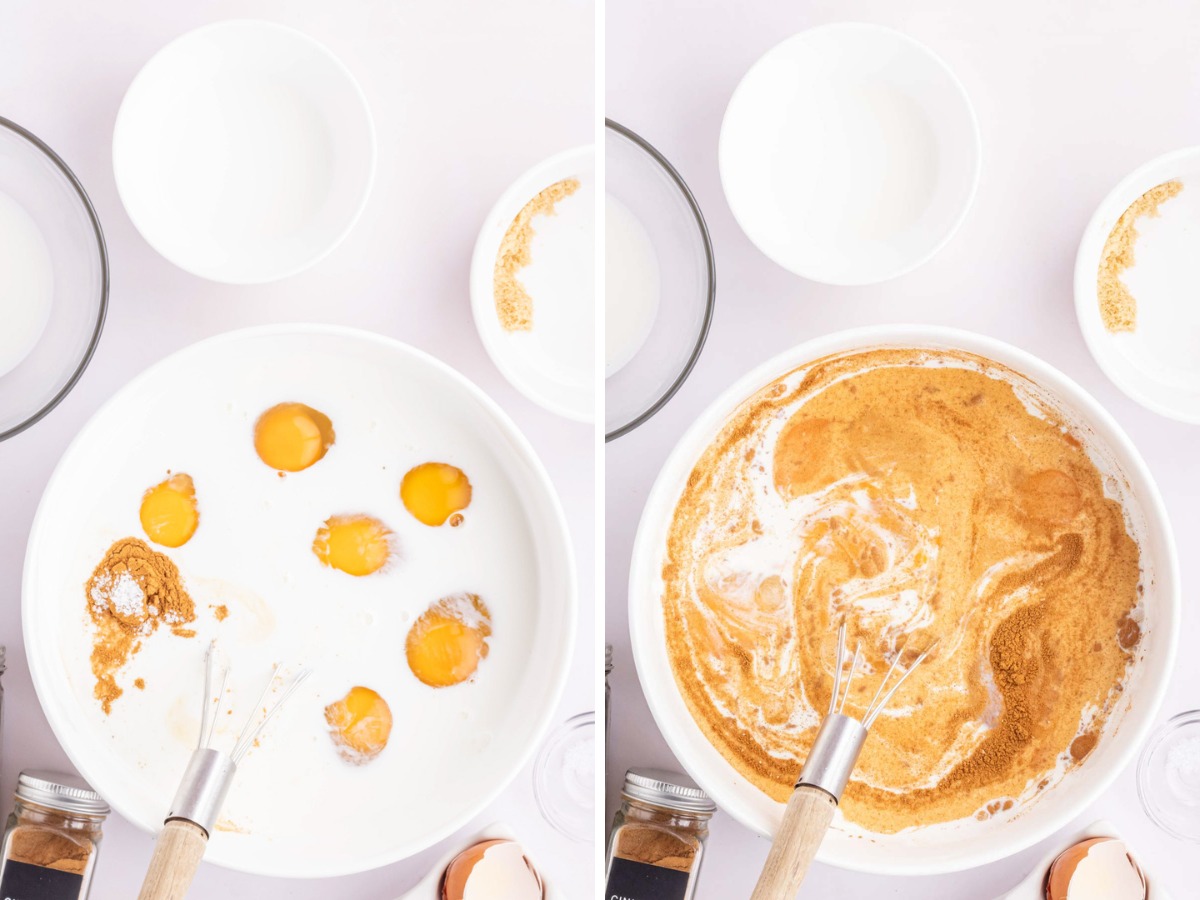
710 262
101 246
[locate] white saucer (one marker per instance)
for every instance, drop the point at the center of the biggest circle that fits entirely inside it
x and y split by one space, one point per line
1156 364
554 363
244 151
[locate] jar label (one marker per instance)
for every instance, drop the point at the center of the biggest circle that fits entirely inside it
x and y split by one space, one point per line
632 880
22 881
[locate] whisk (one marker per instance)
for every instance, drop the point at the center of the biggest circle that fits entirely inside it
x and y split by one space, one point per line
824 776
197 804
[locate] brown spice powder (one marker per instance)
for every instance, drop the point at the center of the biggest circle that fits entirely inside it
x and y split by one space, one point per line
514 306
655 847
133 591
1118 307
49 849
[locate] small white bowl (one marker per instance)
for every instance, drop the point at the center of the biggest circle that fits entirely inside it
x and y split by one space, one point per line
554 363
849 153
244 151
1157 364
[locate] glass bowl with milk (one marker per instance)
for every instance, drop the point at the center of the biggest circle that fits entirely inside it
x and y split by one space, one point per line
53 279
660 281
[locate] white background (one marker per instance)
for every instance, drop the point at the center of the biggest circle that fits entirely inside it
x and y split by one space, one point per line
466 96
1070 96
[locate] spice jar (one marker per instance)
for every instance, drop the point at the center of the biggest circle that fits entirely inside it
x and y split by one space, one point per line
658 837
51 839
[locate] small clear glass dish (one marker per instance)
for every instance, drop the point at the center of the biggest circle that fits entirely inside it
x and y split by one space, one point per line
564 777
43 205
1168 776
655 197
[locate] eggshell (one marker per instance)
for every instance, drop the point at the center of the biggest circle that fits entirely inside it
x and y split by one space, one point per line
491 870
1095 869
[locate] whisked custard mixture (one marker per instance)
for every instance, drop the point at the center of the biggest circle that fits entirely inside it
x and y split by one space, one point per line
918 496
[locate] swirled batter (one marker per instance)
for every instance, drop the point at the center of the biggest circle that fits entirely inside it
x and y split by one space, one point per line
919 496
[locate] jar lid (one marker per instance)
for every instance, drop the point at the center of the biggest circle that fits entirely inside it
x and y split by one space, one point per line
673 790
59 790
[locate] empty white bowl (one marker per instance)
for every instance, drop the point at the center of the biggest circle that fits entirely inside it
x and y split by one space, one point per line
849 153
1156 364
53 279
244 151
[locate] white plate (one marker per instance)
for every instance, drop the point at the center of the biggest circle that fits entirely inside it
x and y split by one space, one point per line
849 153
244 151
1158 364
554 363
305 811
964 843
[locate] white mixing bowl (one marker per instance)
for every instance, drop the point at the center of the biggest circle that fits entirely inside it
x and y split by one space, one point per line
965 843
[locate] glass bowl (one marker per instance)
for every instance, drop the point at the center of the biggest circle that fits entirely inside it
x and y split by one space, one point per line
654 202
45 212
564 777
1168 776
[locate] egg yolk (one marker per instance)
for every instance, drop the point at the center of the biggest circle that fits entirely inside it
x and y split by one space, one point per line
433 492
169 514
447 642
360 724
291 436
357 545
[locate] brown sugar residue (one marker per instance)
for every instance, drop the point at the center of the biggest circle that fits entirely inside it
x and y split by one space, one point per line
1118 307
897 508
514 305
139 683
220 612
133 591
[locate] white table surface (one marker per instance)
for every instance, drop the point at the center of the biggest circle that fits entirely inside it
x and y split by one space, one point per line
1070 96
465 96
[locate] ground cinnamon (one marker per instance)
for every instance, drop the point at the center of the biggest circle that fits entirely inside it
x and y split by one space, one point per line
133 591
656 847
1118 307
50 849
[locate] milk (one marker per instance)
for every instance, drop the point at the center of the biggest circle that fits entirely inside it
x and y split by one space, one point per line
631 286
26 284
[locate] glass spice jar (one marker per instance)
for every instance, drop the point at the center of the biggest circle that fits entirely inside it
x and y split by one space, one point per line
51 839
658 836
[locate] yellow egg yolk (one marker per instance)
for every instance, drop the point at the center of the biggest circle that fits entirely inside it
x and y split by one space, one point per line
360 724
291 436
169 513
433 492
447 642
357 545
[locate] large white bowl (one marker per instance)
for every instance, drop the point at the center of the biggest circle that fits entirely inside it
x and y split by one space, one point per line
963 844
244 151
849 153
302 811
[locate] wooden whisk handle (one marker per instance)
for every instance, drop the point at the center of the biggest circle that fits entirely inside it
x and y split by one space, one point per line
805 820
177 853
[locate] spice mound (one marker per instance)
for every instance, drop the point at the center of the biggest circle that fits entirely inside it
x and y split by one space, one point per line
514 306
133 591
1118 307
917 496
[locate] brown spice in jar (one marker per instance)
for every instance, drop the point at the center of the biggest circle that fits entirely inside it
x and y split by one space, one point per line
655 847
133 591
49 849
